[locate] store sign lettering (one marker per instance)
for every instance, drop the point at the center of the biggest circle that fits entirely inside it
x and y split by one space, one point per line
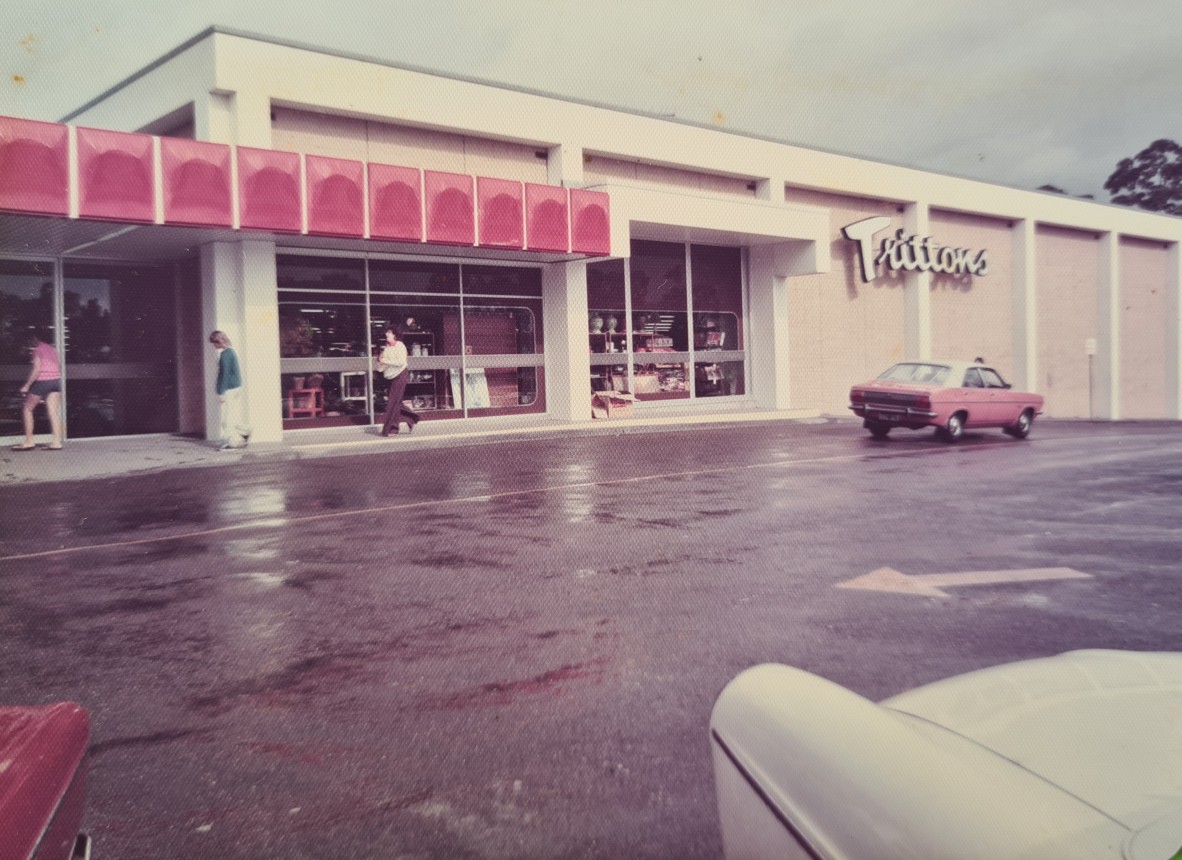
910 253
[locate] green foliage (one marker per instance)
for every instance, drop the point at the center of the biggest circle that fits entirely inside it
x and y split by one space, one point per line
1151 180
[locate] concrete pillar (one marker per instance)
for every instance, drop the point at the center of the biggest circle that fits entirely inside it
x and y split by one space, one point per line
240 296
1025 307
917 292
1106 397
564 165
564 322
1174 333
769 346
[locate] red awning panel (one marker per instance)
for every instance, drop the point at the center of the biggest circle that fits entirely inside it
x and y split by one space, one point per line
451 218
395 202
336 196
269 190
502 215
590 231
34 166
546 227
116 175
196 182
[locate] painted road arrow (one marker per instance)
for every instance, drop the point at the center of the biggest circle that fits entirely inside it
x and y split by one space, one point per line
929 585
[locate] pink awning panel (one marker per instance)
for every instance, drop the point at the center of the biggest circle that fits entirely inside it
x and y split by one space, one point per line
269 190
451 215
546 226
196 182
34 172
395 202
115 175
336 196
590 230
502 215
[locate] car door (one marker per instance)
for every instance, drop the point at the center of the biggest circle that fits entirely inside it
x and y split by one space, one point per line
1003 406
975 399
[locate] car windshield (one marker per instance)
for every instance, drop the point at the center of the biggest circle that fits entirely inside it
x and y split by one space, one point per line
932 374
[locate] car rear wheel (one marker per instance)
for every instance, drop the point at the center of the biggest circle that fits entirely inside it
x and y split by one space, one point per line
954 429
1021 428
878 431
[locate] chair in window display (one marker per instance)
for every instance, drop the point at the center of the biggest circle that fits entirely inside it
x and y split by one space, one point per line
306 400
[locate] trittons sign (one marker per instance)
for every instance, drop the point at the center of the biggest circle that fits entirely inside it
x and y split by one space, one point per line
910 253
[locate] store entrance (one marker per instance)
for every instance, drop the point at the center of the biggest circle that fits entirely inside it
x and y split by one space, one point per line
119 338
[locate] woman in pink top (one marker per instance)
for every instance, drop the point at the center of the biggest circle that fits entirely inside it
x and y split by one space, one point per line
44 383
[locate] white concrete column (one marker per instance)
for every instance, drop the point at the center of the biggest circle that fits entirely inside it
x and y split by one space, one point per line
1174 333
769 345
1107 394
917 292
240 296
233 117
564 165
1025 306
564 326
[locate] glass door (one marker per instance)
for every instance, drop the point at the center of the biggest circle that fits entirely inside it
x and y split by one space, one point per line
26 306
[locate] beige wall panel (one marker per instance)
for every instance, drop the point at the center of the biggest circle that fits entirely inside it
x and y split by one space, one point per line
1067 279
599 168
1143 268
416 147
972 315
841 331
318 134
728 185
501 160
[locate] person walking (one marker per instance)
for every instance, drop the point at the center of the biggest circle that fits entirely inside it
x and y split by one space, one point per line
393 365
44 384
235 431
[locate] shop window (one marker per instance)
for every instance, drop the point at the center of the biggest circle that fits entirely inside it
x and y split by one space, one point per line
320 273
393 276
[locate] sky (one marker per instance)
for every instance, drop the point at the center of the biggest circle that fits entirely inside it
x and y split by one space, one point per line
1012 92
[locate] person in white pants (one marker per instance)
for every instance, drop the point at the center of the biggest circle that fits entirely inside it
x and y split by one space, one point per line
235 431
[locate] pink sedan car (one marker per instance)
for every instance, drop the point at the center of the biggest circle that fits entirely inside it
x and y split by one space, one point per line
948 395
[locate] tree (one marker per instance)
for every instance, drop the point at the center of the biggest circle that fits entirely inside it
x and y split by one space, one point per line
1151 180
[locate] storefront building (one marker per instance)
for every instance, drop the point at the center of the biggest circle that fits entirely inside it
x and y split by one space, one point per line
534 251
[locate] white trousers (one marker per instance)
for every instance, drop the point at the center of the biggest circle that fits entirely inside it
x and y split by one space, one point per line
235 427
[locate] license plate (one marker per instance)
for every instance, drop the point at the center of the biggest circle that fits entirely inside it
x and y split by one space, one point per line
886 416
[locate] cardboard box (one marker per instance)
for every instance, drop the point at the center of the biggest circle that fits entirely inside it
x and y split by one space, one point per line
611 404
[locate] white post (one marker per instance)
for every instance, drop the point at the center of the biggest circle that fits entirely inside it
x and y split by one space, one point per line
1174 333
1108 321
240 297
564 322
769 344
1025 307
917 291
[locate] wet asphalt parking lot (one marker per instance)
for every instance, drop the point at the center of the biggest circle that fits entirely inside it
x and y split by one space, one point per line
511 648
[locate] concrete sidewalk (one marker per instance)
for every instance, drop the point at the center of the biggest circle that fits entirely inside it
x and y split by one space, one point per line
98 458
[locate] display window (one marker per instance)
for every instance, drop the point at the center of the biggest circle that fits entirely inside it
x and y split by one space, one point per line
684 307
472 333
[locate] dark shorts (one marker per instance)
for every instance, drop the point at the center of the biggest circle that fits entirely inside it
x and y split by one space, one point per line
45 387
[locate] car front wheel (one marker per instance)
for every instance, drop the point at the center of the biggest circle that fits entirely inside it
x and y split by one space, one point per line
954 429
1021 428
